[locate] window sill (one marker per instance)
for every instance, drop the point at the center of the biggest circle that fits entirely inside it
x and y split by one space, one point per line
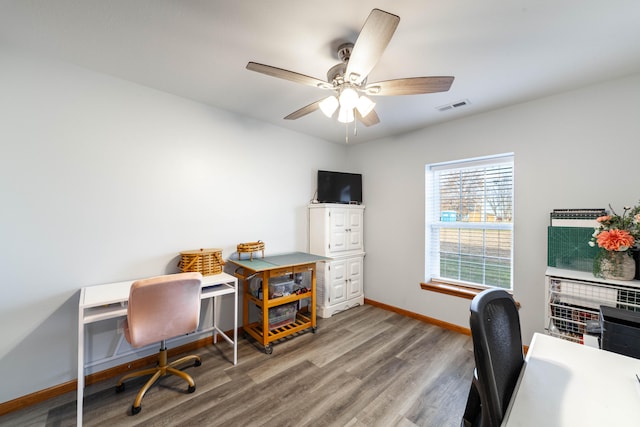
451 289
455 290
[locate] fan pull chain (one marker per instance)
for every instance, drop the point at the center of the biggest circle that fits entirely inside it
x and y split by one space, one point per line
346 131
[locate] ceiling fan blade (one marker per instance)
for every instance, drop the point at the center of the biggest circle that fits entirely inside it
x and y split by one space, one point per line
373 39
368 120
410 86
304 110
288 75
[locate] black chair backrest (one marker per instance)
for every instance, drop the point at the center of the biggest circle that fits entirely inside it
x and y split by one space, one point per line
497 348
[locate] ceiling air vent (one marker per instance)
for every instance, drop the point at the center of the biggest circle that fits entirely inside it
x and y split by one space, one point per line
457 104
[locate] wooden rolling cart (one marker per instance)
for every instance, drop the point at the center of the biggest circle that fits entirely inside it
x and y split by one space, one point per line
272 267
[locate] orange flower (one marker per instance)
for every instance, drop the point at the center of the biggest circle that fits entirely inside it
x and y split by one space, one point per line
603 218
615 240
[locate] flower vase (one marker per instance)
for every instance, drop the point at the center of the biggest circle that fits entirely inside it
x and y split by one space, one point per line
616 265
635 251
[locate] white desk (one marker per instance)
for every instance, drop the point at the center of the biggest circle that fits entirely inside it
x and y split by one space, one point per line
567 384
109 301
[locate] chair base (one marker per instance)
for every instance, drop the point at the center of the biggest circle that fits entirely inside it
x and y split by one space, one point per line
158 372
473 410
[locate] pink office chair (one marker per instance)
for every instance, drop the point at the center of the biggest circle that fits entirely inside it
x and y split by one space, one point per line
160 308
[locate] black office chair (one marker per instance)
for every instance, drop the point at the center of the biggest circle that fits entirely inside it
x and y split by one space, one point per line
497 348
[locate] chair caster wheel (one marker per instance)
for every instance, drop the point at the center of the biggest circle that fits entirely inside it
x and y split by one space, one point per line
191 389
120 388
197 362
136 410
268 349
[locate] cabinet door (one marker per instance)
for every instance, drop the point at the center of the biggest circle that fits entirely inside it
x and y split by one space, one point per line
338 287
354 273
338 221
354 229
346 230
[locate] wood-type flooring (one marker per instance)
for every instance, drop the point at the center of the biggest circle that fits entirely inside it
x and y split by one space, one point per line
363 367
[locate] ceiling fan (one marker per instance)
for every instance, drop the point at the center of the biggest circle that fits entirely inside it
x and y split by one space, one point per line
348 80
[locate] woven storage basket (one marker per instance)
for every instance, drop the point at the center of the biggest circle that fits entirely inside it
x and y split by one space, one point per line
205 261
250 248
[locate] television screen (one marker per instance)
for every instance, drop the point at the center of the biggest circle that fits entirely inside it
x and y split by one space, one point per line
339 187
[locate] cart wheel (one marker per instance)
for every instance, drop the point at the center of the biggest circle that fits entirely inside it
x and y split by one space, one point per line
120 388
314 329
268 349
197 362
135 410
191 389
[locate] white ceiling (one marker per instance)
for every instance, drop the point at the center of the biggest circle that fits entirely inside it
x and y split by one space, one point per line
501 52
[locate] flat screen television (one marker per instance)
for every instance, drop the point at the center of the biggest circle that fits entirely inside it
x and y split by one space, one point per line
339 187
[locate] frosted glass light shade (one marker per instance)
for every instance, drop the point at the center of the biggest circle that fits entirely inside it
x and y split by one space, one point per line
365 105
329 106
345 115
348 98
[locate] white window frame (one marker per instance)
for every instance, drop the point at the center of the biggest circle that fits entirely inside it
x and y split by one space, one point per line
433 222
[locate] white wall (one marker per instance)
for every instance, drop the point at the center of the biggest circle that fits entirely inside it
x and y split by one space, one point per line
103 180
574 150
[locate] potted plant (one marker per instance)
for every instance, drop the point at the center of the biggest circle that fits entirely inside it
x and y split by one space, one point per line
616 236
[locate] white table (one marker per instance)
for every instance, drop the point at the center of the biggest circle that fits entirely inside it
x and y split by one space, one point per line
109 301
567 384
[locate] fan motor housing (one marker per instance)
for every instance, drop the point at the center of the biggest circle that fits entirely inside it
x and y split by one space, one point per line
344 52
335 74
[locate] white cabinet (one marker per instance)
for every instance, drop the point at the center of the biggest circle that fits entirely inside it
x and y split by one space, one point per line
336 231
339 285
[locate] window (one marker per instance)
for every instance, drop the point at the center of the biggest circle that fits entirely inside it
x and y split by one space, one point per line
469 222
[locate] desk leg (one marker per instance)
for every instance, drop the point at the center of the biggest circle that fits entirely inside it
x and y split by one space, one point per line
235 325
216 318
80 381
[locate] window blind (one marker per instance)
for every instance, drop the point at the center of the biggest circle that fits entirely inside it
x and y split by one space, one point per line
469 221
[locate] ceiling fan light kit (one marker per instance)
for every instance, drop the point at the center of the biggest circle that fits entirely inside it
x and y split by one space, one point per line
345 115
329 105
348 80
365 105
348 97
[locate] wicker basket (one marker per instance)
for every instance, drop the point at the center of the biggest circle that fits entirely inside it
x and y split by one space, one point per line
250 248
205 261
